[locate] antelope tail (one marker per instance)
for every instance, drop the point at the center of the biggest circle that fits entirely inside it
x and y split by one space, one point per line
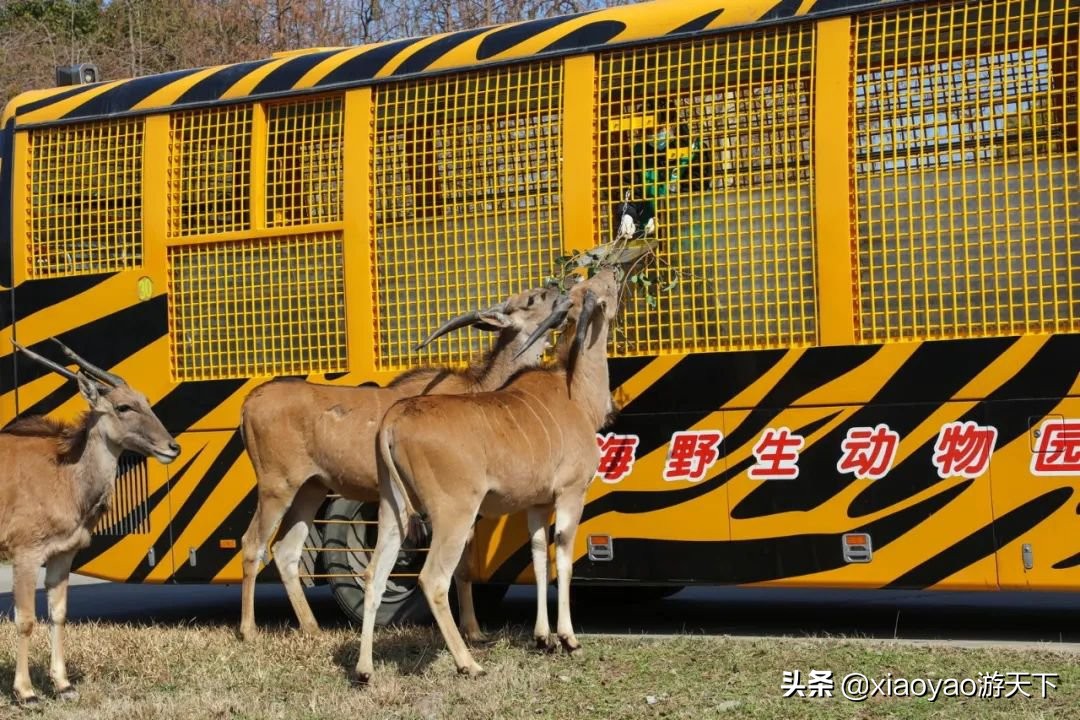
245 436
408 518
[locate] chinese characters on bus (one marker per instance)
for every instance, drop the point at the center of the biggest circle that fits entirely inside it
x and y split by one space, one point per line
960 449
1058 448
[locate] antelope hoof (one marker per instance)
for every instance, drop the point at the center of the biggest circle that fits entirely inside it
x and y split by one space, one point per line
68 694
247 634
472 671
361 679
544 644
30 701
570 645
309 629
475 636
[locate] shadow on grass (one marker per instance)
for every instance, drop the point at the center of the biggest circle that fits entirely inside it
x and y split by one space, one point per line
409 650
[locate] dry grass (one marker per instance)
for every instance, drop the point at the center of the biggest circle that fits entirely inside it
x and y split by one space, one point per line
203 672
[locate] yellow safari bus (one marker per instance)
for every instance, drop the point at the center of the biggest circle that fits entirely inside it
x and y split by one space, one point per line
866 375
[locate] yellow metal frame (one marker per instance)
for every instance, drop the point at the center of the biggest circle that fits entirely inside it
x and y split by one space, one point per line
833 200
801 77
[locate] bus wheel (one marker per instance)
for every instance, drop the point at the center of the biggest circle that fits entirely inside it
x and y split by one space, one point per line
349 538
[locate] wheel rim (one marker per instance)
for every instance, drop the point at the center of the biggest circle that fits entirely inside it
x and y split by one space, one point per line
364 534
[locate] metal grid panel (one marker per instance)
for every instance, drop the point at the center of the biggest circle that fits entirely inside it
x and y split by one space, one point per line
85 199
257 307
717 133
466 201
966 170
210 171
128 512
303 162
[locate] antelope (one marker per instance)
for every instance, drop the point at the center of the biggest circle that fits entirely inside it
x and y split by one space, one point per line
304 438
59 481
530 445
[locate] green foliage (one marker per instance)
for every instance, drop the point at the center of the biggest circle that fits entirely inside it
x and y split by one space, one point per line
61 18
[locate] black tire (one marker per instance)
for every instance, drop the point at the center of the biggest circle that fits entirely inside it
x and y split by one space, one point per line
403 603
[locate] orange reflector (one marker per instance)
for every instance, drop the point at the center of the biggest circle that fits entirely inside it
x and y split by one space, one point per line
856 539
600 540
227 544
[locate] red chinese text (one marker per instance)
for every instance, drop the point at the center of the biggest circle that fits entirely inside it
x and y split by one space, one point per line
777 454
964 448
691 453
1058 449
617 455
868 452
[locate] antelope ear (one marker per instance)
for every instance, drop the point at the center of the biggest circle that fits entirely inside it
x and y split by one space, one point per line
493 321
89 389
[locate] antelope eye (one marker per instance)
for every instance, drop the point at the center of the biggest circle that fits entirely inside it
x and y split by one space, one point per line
123 408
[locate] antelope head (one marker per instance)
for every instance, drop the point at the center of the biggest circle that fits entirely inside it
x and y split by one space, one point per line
122 412
522 314
581 306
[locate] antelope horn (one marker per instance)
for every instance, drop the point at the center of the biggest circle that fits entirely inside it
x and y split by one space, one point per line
93 370
47 363
556 318
470 318
588 307
452 324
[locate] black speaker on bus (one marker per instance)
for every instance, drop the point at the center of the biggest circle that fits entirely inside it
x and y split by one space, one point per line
78 74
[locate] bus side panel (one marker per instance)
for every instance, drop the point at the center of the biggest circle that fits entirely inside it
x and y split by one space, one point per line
7 317
1037 493
928 512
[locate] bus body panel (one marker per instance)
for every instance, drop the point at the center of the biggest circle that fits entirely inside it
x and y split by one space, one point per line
694 506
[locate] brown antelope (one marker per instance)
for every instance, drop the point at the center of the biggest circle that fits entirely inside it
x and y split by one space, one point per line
59 481
304 438
531 445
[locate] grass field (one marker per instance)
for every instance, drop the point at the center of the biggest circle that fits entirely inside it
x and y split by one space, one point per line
203 673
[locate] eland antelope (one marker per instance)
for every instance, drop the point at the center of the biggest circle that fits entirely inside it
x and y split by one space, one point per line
57 481
530 445
304 438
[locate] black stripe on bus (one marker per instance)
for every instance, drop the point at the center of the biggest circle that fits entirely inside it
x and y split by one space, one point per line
931 375
37 295
102 543
938 370
622 369
743 561
213 86
597 33
7 154
105 342
52 99
782 9
502 40
194 504
211 558
286 76
422 58
125 96
704 382
983 542
366 64
190 401
698 24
